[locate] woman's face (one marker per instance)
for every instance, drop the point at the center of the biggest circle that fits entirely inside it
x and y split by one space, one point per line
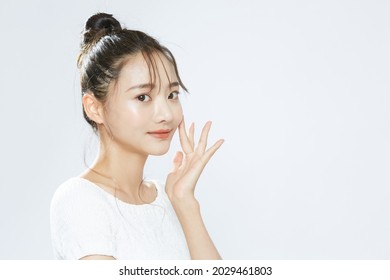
142 115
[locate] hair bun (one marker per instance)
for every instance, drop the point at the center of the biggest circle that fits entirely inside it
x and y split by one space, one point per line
98 25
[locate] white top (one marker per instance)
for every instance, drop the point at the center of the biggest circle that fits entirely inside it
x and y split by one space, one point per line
87 220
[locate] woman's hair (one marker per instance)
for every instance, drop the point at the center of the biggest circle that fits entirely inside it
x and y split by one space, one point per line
106 47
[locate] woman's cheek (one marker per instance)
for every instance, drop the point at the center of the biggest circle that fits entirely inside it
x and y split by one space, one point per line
178 114
136 111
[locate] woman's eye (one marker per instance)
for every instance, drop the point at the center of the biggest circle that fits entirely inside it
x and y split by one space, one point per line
143 98
173 95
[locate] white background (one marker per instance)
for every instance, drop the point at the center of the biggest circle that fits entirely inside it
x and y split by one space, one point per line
298 89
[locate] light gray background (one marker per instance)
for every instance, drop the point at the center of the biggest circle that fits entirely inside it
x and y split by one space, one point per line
299 90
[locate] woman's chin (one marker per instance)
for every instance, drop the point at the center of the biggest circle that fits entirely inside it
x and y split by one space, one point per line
159 152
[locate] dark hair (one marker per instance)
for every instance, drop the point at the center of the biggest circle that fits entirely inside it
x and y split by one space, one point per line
105 48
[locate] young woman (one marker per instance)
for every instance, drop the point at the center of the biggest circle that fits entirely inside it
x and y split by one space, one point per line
130 86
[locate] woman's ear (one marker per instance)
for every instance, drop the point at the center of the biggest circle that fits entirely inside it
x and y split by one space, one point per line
93 108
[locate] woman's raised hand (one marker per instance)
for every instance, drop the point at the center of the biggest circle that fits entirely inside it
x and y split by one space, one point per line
181 181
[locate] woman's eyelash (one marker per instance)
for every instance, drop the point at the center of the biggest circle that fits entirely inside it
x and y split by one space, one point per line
143 97
174 92
146 97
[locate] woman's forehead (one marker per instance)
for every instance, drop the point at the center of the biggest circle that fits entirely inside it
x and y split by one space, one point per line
152 69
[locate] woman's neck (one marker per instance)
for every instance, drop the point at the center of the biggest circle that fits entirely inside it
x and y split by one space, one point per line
123 167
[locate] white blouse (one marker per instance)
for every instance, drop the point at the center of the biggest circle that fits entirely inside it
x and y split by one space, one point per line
87 220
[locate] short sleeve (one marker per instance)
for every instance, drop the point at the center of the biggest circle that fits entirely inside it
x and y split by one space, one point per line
81 222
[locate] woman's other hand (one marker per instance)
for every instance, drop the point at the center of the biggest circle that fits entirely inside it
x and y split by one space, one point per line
188 167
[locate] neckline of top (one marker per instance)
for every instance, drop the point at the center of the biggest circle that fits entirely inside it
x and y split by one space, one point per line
92 184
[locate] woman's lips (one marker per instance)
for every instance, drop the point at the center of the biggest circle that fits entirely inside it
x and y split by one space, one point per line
161 134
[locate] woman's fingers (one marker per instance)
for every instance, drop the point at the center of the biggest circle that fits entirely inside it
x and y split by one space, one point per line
203 139
191 135
211 151
177 160
187 141
184 141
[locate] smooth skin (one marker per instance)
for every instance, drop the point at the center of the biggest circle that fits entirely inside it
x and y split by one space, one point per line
180 187
125 123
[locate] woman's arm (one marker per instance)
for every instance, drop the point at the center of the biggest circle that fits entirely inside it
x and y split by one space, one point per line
198 240
97 257
180 187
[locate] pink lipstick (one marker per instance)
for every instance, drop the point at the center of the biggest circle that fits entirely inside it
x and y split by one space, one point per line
161 134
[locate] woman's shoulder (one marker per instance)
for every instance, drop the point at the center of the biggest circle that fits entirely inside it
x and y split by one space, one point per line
72 187
76 191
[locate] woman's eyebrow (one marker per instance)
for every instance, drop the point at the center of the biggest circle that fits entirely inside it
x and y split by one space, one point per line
150 86
141 86
174 84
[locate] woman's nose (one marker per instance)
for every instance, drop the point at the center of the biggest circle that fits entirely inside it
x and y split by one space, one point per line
163 112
